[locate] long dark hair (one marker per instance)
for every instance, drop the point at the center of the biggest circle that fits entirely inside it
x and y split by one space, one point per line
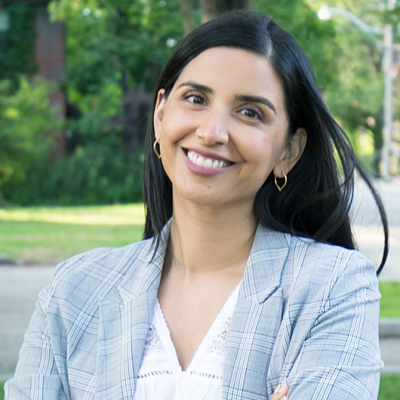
316 201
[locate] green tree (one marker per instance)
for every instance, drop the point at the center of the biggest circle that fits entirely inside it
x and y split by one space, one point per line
17 53
26 124
114 48
357 97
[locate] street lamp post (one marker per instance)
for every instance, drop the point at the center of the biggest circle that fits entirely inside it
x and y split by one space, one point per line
388 100
325 13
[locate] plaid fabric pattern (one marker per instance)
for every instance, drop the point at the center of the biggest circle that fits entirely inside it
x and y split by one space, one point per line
307 315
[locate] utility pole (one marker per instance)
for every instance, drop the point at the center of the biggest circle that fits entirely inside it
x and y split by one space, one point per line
388 96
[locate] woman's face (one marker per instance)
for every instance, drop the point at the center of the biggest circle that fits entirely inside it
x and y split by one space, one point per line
223 128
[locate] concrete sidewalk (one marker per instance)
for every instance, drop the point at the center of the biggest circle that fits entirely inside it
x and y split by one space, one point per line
368 227
389 333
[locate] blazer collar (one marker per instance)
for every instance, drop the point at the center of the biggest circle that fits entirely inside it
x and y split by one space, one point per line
145 271
257 319
263 272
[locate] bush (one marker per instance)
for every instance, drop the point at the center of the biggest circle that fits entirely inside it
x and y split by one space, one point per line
98 173
26 125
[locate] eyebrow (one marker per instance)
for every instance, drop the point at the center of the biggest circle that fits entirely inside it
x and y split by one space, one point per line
238 97
256 99
196 86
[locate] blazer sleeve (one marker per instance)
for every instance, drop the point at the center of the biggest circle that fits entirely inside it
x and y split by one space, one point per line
340 357
37 376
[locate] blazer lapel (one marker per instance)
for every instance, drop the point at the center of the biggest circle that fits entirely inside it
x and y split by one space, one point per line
124 324
256 322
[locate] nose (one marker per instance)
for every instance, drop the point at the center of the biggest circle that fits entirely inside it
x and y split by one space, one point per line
213 129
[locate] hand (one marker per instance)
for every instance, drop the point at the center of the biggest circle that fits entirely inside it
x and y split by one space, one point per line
280 393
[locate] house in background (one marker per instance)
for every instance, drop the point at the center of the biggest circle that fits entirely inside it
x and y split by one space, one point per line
48 51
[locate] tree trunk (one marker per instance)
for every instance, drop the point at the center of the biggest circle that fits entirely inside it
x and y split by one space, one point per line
212 8
186 11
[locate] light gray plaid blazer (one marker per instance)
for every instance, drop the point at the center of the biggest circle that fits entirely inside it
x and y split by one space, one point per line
307 315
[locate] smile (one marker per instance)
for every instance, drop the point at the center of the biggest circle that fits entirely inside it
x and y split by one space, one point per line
205 162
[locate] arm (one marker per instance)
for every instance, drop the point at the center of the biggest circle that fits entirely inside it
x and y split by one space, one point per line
36 376
340 357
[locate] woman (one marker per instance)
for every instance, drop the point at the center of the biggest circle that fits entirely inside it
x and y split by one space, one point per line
248 285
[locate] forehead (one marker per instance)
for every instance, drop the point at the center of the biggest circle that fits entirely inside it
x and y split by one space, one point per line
234 70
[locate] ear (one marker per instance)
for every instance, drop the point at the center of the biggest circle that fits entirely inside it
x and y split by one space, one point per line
294 150
159 112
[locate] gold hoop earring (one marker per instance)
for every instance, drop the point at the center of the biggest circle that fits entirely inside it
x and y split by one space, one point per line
155 148
280 188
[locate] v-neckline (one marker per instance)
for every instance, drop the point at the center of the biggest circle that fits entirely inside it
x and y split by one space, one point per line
166 338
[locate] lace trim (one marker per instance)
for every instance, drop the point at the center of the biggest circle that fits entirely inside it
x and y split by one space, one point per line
214 342
166 372
205 375
153 344
220 341
154 373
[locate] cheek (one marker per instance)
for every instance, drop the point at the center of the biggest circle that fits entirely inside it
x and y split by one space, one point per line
178 122
261 152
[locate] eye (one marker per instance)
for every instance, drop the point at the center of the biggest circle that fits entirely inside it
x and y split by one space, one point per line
251 114
195 99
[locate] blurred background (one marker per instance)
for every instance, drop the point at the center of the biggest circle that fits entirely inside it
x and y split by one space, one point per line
76 78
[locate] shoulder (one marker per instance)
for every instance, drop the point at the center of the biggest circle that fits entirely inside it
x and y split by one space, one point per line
325 272
307 256
94 273
323 258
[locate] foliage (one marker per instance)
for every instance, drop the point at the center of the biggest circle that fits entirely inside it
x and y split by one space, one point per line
98 173
26 125
115 51
111 38
357 99
114 47
316 39
17 54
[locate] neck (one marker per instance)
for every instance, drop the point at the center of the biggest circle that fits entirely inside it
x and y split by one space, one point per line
207 240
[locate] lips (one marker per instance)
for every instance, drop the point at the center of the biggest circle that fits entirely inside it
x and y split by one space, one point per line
206 162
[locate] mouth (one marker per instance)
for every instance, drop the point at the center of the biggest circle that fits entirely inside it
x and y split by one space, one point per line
206 162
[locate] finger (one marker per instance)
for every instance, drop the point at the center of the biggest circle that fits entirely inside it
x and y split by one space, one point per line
280 393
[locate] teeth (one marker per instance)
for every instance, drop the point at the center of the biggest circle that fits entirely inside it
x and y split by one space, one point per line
208 163
205 162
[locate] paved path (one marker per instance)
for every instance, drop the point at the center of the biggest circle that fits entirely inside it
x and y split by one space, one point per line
368 228
19 286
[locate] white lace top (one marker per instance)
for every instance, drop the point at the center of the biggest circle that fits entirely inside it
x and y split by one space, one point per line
161 376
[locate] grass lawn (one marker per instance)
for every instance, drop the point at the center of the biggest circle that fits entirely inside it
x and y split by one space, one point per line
389 390
390 300
390 387
43 235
